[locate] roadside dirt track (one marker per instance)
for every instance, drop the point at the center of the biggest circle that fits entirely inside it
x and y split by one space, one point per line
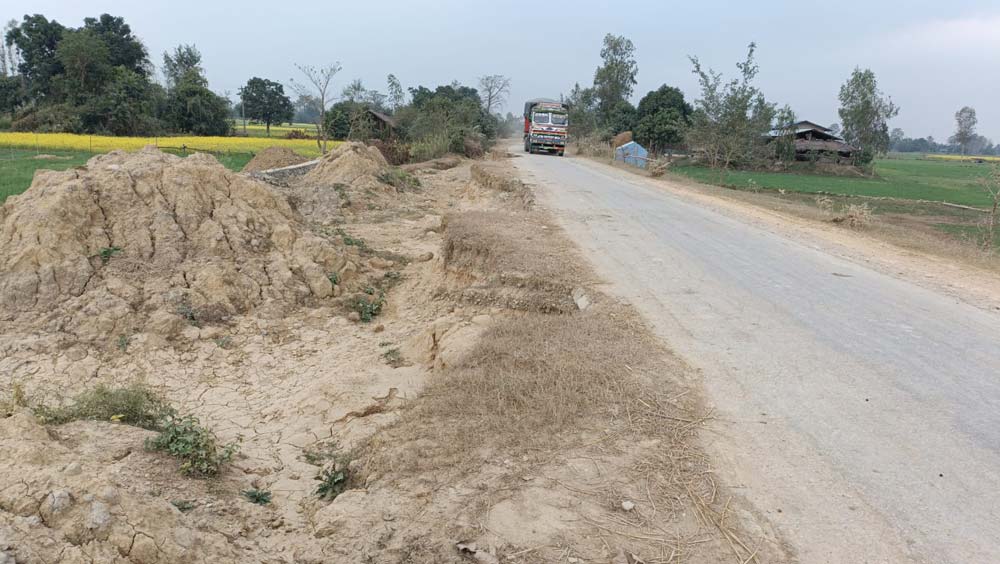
858 411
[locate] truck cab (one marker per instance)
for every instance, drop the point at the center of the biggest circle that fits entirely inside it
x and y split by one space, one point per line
545 126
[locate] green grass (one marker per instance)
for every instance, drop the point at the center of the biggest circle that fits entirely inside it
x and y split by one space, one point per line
18 166
972 233
939 181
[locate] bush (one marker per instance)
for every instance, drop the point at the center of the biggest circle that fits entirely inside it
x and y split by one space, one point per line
430 147
296 134
395 153
399 179
134 405
56 118
196 446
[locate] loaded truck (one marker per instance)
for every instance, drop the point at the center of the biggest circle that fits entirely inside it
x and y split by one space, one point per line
545 126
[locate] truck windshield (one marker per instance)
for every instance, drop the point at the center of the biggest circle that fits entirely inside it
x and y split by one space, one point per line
558 119
541 118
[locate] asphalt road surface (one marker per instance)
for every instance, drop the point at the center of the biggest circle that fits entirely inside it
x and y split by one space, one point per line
859 412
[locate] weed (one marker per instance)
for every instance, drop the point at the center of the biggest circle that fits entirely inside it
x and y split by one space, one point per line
393 357
260 497
369 309
107 252
17 400
351 241
196 446
856 216
333 482
399 179
123 342
187 311
183 505
341 190
334 278
824 203
391 278
384 343
369 290
135 405
225 342
321 453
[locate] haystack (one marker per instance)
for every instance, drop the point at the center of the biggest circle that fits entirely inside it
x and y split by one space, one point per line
150 242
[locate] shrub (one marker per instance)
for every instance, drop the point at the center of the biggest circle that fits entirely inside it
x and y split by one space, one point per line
333 480
135 405
368 309
430 147
296 134
196 446
856 216
395 153
260 497
399 179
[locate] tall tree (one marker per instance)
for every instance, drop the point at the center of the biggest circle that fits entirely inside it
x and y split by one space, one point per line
494 89
865 113
731 120
265 100
582 111
615 78
896 137
663 117
11 94
36 39
183 64
124 49
354 91
965 128
12 52
86 62
396 96
319 91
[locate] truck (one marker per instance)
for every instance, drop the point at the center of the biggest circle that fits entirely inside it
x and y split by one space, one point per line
545 126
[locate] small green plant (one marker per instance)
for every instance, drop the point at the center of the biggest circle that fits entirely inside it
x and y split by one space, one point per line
107 252
187 311
225 342
123 342
332 482
320 453
341 190
135 405
399 179
369 290
369 309
260 497
183 505
194 445
393 357
351 241
334 278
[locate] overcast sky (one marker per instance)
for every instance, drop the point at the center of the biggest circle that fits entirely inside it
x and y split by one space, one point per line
932 57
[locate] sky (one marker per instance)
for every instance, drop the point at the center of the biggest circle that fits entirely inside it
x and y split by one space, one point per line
932 58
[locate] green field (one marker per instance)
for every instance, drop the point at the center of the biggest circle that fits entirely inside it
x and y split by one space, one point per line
17 167
954 182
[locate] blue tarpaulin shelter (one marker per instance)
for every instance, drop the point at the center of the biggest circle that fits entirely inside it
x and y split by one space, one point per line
633 154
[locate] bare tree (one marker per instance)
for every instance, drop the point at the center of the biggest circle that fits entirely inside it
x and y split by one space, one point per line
9 50
396 96
965 128
991 184
495 89
319 79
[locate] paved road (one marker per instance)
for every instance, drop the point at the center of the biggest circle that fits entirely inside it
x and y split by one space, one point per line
860 412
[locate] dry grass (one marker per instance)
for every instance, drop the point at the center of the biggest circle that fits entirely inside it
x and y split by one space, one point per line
511 261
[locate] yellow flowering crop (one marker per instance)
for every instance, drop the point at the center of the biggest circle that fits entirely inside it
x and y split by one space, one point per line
103 144
963 158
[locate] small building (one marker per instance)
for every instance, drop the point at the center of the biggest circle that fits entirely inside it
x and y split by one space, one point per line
384 126
813 142
632 153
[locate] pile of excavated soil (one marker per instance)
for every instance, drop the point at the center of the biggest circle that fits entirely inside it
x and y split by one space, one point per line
150 242
353 164
273 157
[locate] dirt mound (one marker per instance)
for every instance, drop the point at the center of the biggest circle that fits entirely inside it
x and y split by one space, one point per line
151 242
273 157
352 164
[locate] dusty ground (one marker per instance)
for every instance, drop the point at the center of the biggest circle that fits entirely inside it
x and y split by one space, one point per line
499 409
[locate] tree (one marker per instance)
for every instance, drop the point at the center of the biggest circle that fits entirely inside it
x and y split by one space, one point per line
11 94
896 137
865 113
193 108
965 130
85 60
10 49
582 111
494 88
731 121
306 110
184 64
396 96
319 79
354 91
264 100
124 49
835 128
127 106
662 118
36 39
615 78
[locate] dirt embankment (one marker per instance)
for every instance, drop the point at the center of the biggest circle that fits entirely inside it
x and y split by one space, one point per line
493 407
274 157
